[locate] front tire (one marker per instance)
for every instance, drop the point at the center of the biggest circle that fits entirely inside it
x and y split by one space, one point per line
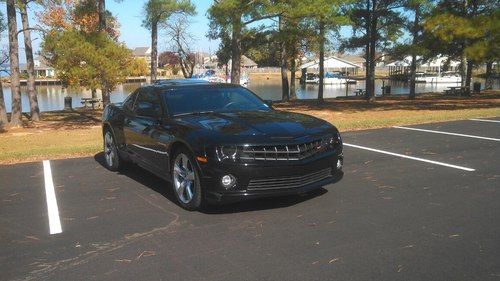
112 159
186 180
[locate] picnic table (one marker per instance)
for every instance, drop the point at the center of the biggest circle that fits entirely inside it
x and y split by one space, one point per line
359 92
458 90
91 101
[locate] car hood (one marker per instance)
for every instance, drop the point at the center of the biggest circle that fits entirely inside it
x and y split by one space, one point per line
273 124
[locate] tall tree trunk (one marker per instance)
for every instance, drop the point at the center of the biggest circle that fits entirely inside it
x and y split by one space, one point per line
368 51
3 110
236 51
322 38
101 6
371 77
367 68
489 81
30 64
285 89
106 99
415 39
370 92
102 15
154 50
293 69
15 118
468 76
463 66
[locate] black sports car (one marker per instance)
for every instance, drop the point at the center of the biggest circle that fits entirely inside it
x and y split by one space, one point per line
220 142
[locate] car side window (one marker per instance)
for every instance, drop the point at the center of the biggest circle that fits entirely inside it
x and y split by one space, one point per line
147 104
129 102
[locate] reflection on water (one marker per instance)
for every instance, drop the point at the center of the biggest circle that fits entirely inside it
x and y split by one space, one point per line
52 97
272 89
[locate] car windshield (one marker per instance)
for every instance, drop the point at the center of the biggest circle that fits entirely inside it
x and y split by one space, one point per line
211 99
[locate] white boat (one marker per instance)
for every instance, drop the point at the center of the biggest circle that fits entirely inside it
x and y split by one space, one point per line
420 77
336 79
311 78
445 77
212 77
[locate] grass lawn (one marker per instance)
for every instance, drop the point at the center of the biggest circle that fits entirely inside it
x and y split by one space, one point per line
64 134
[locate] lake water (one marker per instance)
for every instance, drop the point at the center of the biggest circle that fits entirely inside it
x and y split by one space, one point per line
52 97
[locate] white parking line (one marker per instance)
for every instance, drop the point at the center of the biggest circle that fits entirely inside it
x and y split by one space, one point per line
53 210
411 157
447 133
485 120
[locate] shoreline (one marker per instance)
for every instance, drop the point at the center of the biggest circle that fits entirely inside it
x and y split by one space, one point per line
77 133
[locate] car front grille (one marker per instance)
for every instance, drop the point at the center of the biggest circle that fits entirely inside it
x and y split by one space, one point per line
281 152
289 182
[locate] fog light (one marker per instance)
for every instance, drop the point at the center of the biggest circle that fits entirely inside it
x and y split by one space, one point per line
228 181
339 164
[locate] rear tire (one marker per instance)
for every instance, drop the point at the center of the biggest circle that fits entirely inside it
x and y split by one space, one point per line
112 158
186 180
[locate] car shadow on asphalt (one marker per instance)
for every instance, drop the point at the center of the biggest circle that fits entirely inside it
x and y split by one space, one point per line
164 188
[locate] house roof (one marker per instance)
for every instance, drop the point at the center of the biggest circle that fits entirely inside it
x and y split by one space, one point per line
331 62
40 64
245 61
435 62
141 51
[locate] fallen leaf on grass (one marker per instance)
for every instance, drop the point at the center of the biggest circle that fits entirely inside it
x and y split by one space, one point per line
334 260
146 254
31 237
400 268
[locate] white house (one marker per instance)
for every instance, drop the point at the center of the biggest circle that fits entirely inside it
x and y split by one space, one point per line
42 68
435 65
144 53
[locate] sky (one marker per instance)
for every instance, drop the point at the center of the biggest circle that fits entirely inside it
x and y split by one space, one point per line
130 15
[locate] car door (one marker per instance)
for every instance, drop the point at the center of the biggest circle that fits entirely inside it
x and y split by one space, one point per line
145 130
129 115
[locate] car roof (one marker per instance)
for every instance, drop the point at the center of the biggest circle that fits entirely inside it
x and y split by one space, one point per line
165 84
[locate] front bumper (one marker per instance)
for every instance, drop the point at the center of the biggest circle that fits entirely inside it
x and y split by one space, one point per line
214 192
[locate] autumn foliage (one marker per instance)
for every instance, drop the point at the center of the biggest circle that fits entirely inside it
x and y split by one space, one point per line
81 15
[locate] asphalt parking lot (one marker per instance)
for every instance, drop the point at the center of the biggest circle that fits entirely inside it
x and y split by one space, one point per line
415 203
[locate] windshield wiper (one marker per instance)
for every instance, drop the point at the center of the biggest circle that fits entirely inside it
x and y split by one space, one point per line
194 113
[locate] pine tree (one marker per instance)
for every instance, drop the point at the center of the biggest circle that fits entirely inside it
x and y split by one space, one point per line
158 11
377 24
15 117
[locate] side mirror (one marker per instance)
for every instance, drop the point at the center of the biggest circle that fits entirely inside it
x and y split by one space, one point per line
269 102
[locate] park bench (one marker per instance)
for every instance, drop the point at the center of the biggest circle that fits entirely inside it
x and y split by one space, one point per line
458 91
90 101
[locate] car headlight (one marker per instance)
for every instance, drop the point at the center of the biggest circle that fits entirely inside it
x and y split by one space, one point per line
334 140
226 152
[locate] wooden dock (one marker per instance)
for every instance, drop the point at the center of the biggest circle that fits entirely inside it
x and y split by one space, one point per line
54 81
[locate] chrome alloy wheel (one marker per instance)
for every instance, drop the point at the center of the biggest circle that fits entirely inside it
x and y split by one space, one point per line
109 149
184 178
